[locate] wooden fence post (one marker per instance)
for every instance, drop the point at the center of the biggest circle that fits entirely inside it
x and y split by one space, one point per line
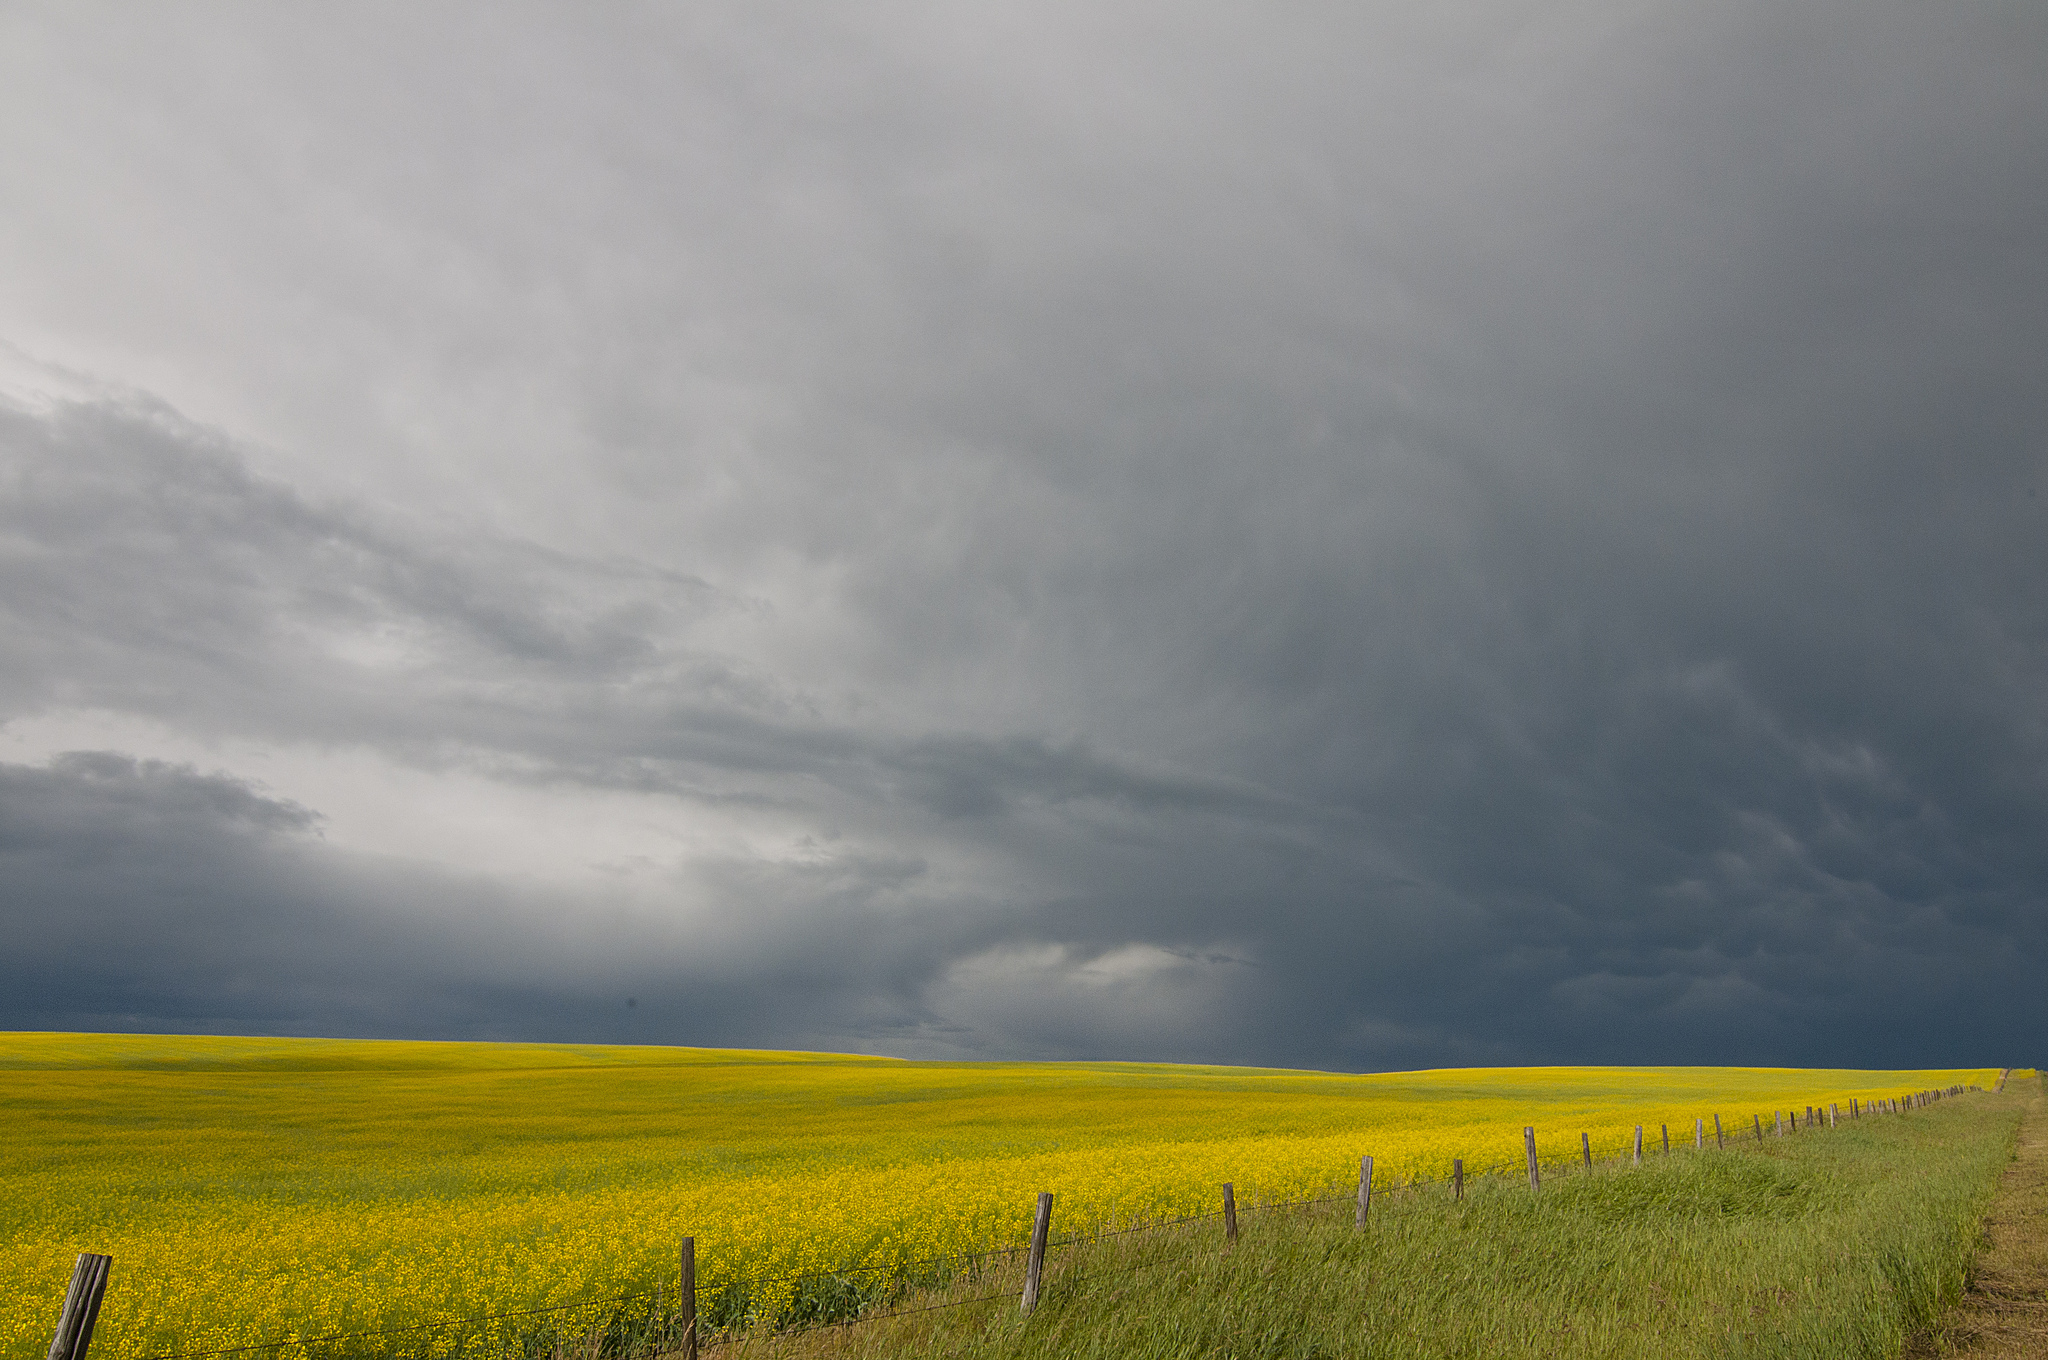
1586 1151
1699 1135
1720 1140
1639 1145
1457 1178
686 1298
1229 1215
1833 1112
1529 1143
1034 1264
1667 1138
1777 1123
81 1307
1757 1120
1364 1189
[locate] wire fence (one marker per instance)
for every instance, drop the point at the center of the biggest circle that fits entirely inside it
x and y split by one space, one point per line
647 1324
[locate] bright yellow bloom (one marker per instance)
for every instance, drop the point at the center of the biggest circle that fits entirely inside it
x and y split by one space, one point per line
250 1190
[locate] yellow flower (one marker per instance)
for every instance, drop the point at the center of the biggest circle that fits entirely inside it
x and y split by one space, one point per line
257 1190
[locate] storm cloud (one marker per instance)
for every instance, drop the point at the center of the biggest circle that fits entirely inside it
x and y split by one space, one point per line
1362 538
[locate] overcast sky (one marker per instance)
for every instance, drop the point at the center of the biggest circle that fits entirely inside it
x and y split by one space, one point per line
1359 536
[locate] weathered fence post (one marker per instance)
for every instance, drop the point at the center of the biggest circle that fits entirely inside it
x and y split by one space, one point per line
1667 1138
686 1298
81 1307
1229 1215
1639 1145
1364 1189
1757 1120
1529 1144
1834 1112
1699 1135
1777 1123
1034 1264
1586 1151
1457 1178
1720 1139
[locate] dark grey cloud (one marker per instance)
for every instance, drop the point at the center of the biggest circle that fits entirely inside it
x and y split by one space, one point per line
1501 533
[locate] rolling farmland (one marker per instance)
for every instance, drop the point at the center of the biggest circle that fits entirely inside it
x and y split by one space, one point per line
252 1189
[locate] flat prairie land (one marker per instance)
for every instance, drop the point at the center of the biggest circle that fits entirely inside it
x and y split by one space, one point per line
259 1190
1844 1244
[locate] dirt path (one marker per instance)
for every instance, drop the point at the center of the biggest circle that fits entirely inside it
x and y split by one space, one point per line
2003 1314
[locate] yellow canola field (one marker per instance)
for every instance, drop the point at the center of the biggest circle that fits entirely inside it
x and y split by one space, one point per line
256 1189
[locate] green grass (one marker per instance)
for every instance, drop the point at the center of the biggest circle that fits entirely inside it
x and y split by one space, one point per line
254 1190
1828 1243
251 1190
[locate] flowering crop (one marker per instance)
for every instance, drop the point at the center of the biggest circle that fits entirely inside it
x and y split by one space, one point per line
254 1190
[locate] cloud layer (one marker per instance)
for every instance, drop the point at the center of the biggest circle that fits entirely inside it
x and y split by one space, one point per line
1366 540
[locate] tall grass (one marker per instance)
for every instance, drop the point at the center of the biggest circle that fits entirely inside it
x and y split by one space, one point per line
255 1190
1834 1243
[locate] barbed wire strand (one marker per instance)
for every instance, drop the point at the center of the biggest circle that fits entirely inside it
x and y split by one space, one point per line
1413 1183
732 1338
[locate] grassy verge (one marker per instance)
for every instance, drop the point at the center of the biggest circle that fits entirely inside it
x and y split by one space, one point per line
2003 1314
1841 1242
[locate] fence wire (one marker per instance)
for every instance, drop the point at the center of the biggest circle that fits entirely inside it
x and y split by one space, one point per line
725 1336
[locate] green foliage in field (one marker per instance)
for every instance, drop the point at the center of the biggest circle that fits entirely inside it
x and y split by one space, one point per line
1835 1243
